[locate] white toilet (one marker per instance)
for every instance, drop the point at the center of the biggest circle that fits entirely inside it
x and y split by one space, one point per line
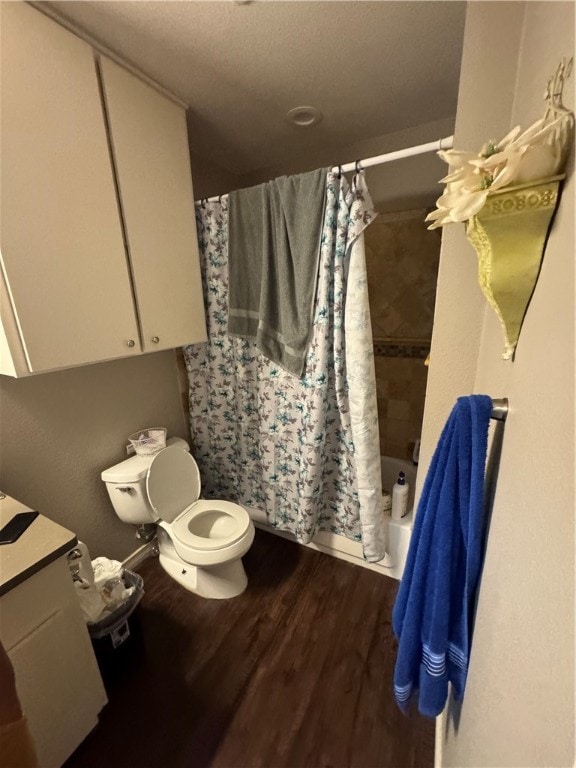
200 542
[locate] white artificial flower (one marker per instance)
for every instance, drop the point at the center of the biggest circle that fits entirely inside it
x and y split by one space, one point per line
520 157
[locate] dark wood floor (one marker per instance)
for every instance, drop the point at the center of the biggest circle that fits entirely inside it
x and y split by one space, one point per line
296 672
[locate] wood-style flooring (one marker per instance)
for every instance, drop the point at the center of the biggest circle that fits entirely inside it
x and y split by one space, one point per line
294 673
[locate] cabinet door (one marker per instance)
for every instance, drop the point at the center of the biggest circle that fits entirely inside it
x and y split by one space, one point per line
63 254
150 148
57 677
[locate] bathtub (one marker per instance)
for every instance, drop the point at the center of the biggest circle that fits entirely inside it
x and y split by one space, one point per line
399 531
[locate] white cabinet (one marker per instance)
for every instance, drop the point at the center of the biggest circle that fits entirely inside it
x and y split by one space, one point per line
150 150
57 677
67 296
94 266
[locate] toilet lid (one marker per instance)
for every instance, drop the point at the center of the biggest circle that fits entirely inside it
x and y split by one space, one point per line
172 482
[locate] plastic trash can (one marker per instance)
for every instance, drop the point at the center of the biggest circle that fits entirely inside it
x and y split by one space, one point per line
115 638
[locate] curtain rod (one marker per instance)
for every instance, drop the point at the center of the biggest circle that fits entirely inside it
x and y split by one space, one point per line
360 165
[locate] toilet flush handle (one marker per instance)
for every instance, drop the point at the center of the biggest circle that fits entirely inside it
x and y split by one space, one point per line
124 489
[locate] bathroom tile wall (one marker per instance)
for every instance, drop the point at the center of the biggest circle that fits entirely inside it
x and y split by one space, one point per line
401 389
402 262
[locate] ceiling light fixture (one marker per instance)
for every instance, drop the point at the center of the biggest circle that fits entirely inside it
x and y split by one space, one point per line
304 117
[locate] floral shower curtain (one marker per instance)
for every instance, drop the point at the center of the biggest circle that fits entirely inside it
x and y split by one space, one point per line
305 451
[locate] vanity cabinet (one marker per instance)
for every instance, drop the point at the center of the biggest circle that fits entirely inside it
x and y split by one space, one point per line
99 248
57 677
43 632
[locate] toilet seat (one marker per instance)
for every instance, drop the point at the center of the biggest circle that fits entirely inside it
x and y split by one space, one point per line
211 524
173 487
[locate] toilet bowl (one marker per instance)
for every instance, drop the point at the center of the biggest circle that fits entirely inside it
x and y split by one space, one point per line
200 542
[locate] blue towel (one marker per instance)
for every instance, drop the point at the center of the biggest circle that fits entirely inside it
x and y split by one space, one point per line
432 616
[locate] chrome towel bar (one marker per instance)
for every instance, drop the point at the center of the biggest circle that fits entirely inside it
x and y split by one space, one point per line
499 408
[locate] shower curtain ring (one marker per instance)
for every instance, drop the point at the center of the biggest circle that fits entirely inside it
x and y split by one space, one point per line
358 168
203 203
340 172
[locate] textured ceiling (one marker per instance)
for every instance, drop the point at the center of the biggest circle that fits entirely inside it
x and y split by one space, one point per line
371 67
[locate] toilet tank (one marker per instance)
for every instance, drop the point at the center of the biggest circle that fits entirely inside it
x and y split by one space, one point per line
126 486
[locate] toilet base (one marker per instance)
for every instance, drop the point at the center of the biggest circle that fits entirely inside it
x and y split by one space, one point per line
219 582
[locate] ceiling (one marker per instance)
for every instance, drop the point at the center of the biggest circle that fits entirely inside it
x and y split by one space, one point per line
372 68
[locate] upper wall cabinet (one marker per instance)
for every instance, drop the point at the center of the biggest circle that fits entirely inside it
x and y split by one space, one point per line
150 150
87 276
68 298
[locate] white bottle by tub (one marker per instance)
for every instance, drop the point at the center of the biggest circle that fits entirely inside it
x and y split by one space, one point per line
400 498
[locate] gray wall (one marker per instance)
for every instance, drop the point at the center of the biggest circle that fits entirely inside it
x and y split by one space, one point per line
210 179
60 430
403 184
519 704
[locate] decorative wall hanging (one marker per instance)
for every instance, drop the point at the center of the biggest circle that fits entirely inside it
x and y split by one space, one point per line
507 195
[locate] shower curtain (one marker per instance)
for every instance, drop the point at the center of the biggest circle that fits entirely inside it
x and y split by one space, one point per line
305 451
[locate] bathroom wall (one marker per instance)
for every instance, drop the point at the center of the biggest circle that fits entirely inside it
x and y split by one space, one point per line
209 178
398 186
519 704
402 263
60 430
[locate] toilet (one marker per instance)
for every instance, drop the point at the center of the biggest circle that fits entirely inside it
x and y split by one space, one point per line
200 542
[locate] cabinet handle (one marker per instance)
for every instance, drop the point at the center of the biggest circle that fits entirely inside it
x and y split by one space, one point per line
130 343
155 339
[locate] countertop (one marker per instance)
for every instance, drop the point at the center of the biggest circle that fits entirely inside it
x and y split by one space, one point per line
40 544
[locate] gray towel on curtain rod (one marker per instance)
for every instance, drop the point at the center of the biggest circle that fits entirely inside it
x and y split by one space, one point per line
274 236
